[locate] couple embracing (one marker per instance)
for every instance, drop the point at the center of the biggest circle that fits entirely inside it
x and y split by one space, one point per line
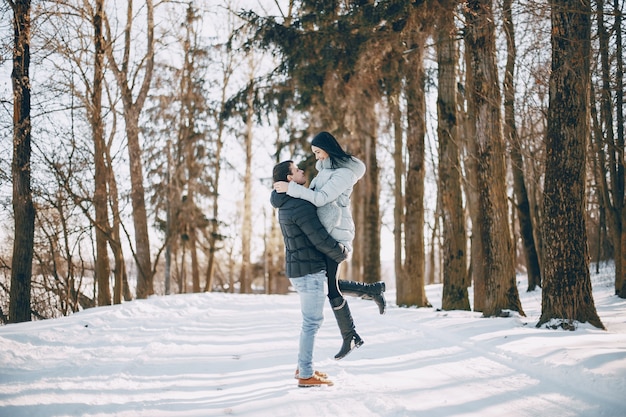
318 231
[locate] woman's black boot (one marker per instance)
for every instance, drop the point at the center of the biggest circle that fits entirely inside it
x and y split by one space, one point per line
373 291
351 339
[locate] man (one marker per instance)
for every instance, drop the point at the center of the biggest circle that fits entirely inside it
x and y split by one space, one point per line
306 243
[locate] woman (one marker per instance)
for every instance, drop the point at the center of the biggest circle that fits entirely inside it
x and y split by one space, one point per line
330 191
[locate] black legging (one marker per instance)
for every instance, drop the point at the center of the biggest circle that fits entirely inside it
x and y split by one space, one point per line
331 274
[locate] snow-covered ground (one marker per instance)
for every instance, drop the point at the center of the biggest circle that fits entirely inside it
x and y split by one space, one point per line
220 354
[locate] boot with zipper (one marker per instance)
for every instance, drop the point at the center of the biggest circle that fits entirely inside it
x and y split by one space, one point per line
351 339
373 291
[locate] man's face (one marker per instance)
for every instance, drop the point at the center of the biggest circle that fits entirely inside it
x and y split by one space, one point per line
297 175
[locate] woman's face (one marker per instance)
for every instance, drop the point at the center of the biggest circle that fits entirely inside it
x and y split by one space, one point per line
320 154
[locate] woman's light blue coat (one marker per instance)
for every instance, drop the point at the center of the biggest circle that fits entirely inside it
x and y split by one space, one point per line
330 192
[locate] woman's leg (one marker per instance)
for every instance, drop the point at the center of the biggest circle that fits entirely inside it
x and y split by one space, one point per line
373 291
337 288
351 339
331 274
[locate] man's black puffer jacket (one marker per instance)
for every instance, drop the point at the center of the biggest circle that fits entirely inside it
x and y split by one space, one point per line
306 240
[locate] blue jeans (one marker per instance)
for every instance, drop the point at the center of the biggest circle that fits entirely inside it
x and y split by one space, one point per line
310 288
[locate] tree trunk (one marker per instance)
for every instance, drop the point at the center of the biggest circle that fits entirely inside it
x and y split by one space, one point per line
616 163
182 275
455 282
500 285
214 235
169 216
410 290
619 116
132 110
192 105
398 169
140 216
517 162
354 267
371 230
245 279
100 199
121 290
23 207
567 294
195 267
476 272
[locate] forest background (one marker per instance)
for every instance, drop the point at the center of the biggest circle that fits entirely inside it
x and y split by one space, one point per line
142 135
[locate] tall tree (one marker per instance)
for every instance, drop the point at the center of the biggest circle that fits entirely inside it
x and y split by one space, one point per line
121 288
23 207
567 294
100 199
193 109
476 273
455 282
245 279
517 162
609 141
621 124
411 290
133 102
399 178
489 150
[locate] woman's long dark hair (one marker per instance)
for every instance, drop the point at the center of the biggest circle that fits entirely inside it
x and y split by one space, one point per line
328 143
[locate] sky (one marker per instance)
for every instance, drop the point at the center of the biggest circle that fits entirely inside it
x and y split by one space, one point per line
216 354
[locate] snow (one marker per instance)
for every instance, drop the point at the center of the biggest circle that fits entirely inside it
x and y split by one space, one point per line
216 354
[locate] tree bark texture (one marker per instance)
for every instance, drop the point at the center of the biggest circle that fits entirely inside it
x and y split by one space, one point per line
100 199
567 294
489 151
23 207
476 272
620 142
140 215
398 174
455 282
371 229
410 289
